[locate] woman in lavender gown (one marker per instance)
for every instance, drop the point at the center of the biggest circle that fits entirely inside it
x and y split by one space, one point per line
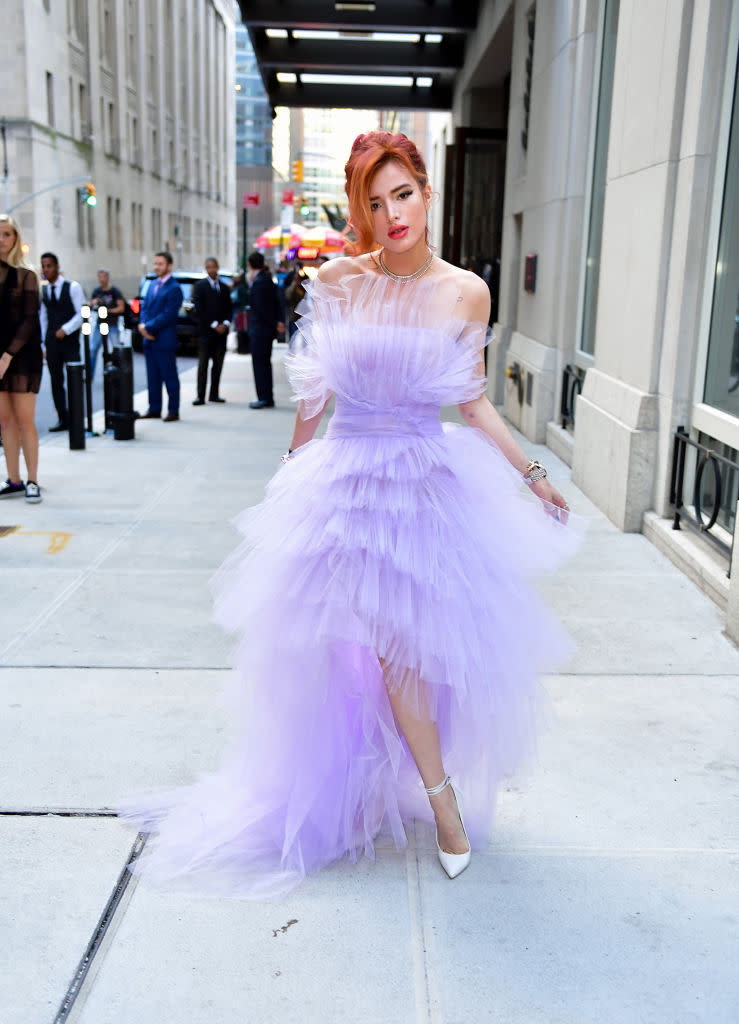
398 638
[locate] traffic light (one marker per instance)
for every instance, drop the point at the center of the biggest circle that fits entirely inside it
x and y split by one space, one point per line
304 206
297 172
87 194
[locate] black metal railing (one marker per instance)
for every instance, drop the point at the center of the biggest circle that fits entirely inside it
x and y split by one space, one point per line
572 382
704 503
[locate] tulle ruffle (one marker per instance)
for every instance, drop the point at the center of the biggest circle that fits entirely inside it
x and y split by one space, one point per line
395 555
371 340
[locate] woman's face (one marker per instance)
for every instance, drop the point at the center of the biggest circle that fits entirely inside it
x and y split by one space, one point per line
7 239
398 208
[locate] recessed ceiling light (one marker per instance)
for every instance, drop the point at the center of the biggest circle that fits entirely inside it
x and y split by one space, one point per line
328 79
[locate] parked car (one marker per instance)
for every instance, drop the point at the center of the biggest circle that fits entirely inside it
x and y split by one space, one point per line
187 328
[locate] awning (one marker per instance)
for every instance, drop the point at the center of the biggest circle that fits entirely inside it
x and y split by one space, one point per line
390 54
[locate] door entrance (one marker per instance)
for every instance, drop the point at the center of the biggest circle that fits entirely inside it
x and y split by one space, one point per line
474 188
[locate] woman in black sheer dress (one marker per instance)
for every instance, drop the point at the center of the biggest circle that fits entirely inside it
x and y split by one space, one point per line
21 363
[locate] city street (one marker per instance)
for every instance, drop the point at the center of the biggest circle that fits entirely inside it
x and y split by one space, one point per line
605 896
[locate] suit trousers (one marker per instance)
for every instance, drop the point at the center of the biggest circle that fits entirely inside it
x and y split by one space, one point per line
59 352
261 359
211 348
161 368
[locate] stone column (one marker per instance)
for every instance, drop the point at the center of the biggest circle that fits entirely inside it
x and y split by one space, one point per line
616 440
544 203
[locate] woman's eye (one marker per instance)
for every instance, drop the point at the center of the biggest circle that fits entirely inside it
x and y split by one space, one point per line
404 195
374 206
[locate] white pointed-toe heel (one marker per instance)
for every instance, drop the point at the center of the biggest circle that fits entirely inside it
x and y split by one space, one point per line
453 863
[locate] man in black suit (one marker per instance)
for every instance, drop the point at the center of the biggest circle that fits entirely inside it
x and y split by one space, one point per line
264 323
213 310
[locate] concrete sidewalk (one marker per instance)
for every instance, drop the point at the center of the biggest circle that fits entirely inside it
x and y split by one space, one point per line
608 894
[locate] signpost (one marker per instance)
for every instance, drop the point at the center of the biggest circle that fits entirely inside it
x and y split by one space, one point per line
286 221
249 199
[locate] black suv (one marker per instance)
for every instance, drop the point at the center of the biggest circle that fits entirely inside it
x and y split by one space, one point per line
187 328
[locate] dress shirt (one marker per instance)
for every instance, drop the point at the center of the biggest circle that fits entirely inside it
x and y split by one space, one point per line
78 300
216 286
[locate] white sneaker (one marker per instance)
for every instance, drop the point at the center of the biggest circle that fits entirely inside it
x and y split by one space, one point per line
33 492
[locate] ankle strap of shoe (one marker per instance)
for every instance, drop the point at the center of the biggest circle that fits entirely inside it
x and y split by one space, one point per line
433 790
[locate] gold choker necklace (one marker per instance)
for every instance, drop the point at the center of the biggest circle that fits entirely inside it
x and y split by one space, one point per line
405 277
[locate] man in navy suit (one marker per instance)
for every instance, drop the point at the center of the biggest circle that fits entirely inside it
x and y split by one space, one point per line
158 328
265 321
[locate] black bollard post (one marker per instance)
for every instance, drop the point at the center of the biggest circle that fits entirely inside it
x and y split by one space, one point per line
124 417
76 399
86 332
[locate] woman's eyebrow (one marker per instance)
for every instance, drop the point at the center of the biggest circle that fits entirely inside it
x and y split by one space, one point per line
398 188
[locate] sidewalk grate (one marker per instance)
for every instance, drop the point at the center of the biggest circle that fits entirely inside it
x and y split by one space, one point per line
93 947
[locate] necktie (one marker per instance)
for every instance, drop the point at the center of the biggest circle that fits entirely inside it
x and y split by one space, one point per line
52 295
214 285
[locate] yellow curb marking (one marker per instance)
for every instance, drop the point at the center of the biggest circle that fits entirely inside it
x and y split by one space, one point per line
58 542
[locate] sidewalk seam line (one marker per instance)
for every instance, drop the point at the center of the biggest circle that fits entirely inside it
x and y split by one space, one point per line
106 918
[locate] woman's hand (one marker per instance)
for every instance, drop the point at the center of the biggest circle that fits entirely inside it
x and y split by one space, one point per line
546 491
4 363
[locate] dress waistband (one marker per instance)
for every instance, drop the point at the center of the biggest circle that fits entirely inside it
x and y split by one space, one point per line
413 421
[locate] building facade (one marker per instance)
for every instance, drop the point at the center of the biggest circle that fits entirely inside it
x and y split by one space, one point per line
254 156
135 97
590 164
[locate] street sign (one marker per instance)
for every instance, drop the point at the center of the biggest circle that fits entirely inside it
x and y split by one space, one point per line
251 199
286 220
288 194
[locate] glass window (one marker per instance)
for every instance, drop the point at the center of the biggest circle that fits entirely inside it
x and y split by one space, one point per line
721 389
50 99
598 193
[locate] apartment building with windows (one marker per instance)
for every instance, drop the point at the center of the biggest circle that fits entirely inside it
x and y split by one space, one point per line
137 98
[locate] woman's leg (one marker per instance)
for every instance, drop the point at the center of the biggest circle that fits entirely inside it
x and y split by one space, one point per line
11 438
422 737
24 407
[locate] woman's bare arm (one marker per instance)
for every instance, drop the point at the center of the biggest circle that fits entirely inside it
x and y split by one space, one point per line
480 412
305 428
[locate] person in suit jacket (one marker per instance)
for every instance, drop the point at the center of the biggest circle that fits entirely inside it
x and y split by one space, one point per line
213 311
60 316
264 323
158 328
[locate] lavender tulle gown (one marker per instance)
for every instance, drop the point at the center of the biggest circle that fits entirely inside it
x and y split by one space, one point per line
397 551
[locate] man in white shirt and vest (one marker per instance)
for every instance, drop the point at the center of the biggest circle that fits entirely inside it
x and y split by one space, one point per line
61 318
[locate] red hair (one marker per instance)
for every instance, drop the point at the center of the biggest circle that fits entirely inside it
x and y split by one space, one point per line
369 153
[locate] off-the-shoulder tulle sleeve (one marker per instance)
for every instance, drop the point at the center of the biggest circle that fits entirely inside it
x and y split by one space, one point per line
465 378
305 369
